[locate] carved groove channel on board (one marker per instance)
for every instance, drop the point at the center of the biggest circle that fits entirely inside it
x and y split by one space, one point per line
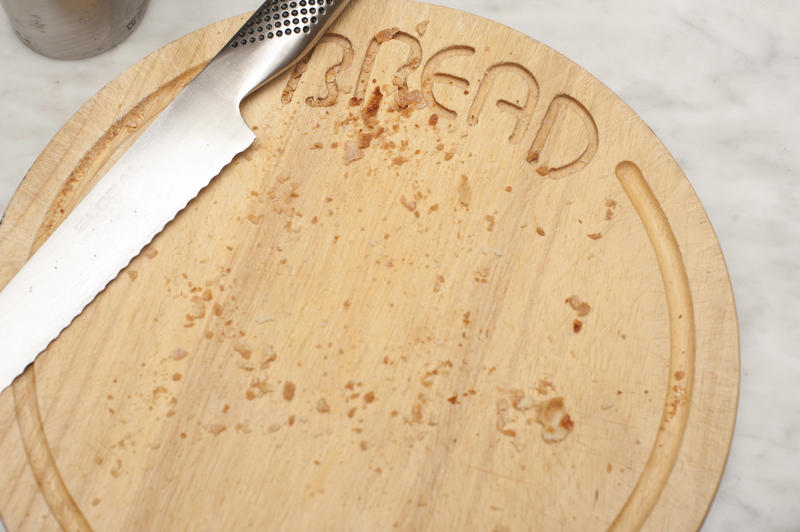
40 456
682 332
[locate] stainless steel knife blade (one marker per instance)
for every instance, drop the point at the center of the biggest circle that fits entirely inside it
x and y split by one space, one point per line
190 142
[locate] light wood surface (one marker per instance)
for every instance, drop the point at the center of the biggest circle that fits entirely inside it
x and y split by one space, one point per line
508 312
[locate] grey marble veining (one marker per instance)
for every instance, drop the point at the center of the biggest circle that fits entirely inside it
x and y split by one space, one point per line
716 80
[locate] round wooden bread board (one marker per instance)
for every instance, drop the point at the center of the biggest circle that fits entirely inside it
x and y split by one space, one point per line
455 284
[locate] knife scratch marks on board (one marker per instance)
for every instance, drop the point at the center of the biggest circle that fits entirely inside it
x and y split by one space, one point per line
86 171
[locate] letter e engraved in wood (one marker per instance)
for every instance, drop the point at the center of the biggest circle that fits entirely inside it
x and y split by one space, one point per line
431 75
523 111
553 142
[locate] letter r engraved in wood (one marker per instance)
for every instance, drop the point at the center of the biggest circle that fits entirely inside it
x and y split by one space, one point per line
523 112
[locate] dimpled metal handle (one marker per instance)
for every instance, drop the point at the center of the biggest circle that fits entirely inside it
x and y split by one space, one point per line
278 35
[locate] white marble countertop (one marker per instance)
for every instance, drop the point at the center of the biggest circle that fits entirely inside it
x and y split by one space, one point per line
716 80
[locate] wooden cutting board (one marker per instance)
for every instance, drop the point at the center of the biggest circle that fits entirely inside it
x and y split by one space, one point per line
456 284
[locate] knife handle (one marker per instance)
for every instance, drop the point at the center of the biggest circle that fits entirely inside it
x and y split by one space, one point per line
275 37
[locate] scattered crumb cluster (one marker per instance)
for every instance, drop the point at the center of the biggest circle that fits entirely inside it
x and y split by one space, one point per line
582 308
518 410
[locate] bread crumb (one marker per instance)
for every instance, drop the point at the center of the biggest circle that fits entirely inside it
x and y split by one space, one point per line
581 307
288 390
464 192
386 34
216 429
526 403
540 231
556 422
595 236
611 205
410 205
176 377
416 413
543 385
369 397
363 445
406 98
133 274
316 146
577 325
433 120
322 406
364 140
258 388
351 152
179 354
243 350
422 27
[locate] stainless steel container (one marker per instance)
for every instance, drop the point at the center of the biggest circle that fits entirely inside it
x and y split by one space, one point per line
73 29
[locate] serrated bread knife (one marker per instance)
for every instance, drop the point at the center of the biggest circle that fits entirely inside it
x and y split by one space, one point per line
189 143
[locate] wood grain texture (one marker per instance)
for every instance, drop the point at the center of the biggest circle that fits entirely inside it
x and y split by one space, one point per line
455 284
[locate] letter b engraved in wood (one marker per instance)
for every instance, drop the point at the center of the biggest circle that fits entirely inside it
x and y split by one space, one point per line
332 86
332 74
